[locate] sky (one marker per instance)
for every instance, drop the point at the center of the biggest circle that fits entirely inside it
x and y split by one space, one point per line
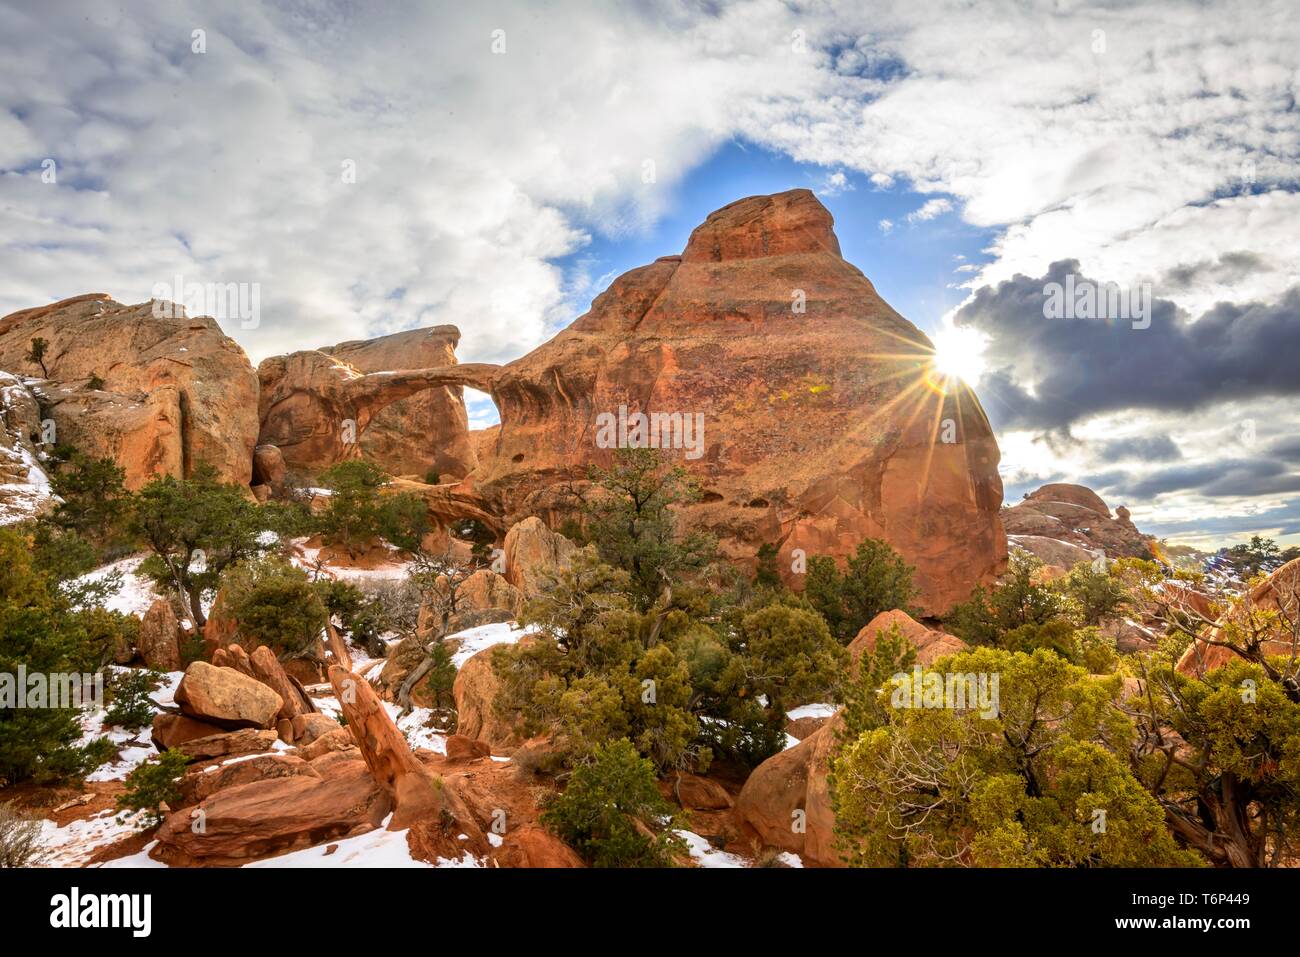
378 167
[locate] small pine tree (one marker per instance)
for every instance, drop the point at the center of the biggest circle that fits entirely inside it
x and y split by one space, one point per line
36 354
153 784
612 812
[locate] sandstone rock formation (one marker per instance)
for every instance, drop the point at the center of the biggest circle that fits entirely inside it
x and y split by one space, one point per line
485 589
24 485
429 432
823 422
276 814
1280 593
789 787
474 690
175 391
930 644
1059 522
414 792
159 640
317 409
531 550
227 698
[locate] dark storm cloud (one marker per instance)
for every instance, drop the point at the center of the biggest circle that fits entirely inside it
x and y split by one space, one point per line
1228 268
1216 479
1050 373
1147 448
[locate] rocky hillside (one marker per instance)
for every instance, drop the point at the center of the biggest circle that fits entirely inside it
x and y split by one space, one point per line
1065 524
817 424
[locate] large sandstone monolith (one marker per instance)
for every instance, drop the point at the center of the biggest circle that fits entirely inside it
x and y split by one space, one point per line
155 390
824 422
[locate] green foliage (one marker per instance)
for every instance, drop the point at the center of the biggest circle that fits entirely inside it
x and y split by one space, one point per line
95 383
42 630
153 784
442 677
36 354
876 579
130 707
1038 785
1097 594
95 502
275 604
766 574
1258 555
790 656
432 477
359 511
1229 775
865 709
196 528
613 814
1018 600
633 525
62 555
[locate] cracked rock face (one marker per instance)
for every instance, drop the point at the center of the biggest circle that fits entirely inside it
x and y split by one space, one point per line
157 394
821 422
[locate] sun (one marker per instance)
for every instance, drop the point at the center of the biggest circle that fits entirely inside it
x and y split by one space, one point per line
959 353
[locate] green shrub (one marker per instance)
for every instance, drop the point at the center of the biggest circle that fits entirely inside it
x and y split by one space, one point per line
612 813
131 707
275 603
875 579
359 511
152 784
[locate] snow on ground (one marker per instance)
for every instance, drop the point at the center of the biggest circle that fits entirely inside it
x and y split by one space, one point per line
395 569
137 592
377 848
706 855
812 711
474 640
70 846
135 747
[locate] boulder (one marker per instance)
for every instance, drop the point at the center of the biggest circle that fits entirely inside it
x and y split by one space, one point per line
474 690
485 589
930 644
224 697
531 549
693 792
159 640
461 748
201 781
306 728
1051 552
175 391
173 730
271 816
336 739
268 466
230 744
266 668
786 803
534 847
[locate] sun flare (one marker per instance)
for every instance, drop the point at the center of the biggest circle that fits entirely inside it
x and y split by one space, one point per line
959 353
